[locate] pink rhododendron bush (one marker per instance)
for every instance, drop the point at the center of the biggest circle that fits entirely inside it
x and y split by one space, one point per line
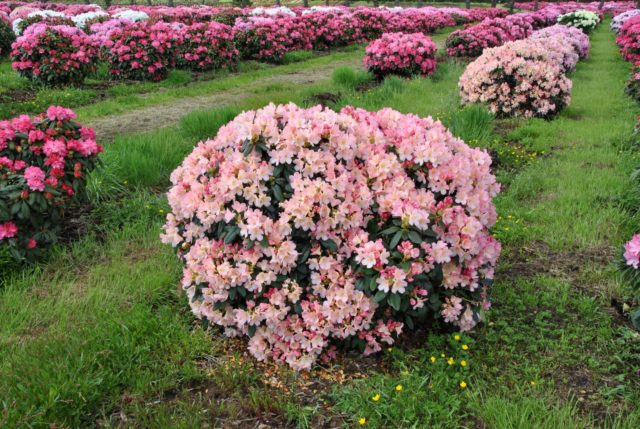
576 37
307 229
402 54
629 39
206 46
142 51
516 80
54 55
44 162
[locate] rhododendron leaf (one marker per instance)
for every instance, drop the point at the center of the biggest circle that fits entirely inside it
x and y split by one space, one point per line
394 301
277 192
304 255
252 330
380 296
395 240
205 323
231 235
247 147
232 293
373 285
249 244
277 171
415 237
390 230
329 245
409 321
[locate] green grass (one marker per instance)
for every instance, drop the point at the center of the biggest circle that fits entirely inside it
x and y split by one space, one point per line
100 335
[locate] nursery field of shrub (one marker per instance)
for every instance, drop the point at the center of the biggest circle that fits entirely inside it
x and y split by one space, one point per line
290 217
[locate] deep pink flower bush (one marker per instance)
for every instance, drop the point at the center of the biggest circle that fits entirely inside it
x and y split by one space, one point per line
206 46
471 41
44 162
57 55
618 21
101 32
578 39
142 51
21 26
268 39
629 39
304 229
515 82
404 54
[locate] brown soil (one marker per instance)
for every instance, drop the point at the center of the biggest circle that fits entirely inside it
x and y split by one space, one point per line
163 115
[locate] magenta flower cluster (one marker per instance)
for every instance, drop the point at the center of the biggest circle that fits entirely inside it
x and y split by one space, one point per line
206 46
44 162
54 55
522 78
306 228
404 54
629 39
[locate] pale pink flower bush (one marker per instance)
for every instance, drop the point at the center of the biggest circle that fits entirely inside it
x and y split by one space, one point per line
516 81
576 37
306 228
402 54
632 252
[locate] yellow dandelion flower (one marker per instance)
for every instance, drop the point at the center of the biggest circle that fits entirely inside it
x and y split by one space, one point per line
376 397
399 388
463 363
533 382
465 347
433 359
456 337
463 385
362 421
451 361
442 355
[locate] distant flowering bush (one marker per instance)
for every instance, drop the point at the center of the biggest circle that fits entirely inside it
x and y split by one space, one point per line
584 20
142 51
101 32
629 39
131 15
574 36
6 38
44 162
304 228
41 17
554 49
206 46
58 55
618 21
516 81
84 20
402 54
632 252
268 39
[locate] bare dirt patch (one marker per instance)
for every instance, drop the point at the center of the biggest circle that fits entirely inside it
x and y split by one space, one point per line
163 115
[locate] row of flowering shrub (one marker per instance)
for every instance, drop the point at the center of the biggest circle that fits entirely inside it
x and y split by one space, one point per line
307 229
136 47
44 163
627 26
404 54
526 77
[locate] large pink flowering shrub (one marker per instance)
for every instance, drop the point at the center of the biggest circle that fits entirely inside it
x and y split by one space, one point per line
304 229
44 162
516 81
576 37
404 54
268 39
629 39
57 55
142 51
206 46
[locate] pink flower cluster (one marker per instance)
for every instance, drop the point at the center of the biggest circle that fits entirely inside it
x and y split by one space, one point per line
206 46
523 78
54 55
578 39
404 54
618 21
303 228
43 165
142 51
471 41
629 39
632 252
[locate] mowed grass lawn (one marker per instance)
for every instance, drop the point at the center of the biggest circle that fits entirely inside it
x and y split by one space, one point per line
100 334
